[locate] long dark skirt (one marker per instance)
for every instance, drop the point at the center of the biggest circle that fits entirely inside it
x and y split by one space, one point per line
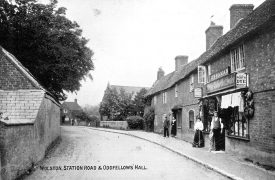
198 139
174 129
218 139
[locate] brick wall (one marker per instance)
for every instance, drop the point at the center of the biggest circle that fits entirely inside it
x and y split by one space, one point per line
185 99
23 145
10 77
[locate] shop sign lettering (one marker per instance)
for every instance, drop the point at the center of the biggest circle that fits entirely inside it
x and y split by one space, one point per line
198 92
220 74
221 83
241 80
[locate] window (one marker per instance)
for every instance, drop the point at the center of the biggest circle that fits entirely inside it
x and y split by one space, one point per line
164 98
176 90
191 83
237 58
239 126
201 74
191 119
208 72
155 100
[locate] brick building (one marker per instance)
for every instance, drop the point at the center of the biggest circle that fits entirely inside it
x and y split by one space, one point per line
69 111
30 118
236 76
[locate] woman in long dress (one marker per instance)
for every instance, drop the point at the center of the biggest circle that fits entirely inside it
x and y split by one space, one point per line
198 137
173 127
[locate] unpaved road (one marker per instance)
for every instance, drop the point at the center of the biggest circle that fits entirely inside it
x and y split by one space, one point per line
84 151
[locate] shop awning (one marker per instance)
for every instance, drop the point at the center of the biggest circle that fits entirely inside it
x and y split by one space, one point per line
229 91
177 107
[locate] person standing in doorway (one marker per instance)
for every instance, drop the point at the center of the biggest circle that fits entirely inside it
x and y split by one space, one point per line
166 125
216 128
173 127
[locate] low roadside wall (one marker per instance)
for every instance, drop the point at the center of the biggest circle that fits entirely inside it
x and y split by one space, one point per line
114 124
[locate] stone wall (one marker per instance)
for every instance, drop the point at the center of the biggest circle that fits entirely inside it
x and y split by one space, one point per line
23 145
114 124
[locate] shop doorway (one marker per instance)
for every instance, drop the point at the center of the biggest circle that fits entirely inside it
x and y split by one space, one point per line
177 114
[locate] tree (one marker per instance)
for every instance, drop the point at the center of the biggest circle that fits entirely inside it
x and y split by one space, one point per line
140 102
47 43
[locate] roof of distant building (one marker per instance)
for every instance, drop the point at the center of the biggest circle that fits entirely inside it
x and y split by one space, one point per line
72 106
260 17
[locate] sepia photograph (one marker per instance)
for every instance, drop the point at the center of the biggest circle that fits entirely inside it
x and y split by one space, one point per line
137 89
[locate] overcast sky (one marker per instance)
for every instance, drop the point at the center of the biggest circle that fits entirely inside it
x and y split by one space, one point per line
131 39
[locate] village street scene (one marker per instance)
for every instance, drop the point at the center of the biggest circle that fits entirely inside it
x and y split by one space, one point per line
135 89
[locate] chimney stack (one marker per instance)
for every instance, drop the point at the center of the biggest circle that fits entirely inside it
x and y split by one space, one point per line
238 12
180 61
212 33
75 100
160 73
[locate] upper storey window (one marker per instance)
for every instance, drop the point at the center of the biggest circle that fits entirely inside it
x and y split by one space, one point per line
237 58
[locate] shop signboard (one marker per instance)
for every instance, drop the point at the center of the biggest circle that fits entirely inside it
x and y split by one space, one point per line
241 80
198 92
225 82
220 74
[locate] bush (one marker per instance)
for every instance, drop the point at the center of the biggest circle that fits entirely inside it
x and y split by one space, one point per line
135 122
149 116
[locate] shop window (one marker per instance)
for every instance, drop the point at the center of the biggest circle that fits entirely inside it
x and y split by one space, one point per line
201 74
164 97
191 83
191 119
232 114
237 58
176 90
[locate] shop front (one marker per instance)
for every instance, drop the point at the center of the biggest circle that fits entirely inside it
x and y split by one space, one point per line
229 96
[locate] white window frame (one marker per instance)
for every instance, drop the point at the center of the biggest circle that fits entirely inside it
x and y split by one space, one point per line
155 100
237 58
202 74
208 72
164 97
176 90
192 83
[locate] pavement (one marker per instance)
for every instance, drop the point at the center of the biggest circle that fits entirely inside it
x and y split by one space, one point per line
229 165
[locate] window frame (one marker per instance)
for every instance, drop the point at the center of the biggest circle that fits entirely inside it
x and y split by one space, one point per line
201 74
237 58
164 97
191 83
191 121
176 90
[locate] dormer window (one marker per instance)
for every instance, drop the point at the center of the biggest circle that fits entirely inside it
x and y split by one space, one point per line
237 58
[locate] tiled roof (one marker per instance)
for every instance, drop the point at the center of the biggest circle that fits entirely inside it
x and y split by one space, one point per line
20 107
72 106
128 89
261 16
21 68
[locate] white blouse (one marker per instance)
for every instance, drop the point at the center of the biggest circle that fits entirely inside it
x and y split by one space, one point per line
198 125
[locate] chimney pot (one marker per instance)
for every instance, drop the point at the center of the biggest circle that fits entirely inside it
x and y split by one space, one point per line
239 11
180 61
160 73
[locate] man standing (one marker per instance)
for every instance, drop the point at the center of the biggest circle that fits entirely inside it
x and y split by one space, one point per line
166 125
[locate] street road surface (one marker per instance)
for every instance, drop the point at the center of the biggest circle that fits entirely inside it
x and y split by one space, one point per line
85 153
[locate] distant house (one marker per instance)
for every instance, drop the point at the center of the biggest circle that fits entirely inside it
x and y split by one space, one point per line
69 112
29 118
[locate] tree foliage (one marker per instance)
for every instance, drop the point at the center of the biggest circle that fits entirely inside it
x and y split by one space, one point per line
47 43
119 105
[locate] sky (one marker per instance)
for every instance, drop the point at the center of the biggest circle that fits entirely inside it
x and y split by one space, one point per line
131 39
